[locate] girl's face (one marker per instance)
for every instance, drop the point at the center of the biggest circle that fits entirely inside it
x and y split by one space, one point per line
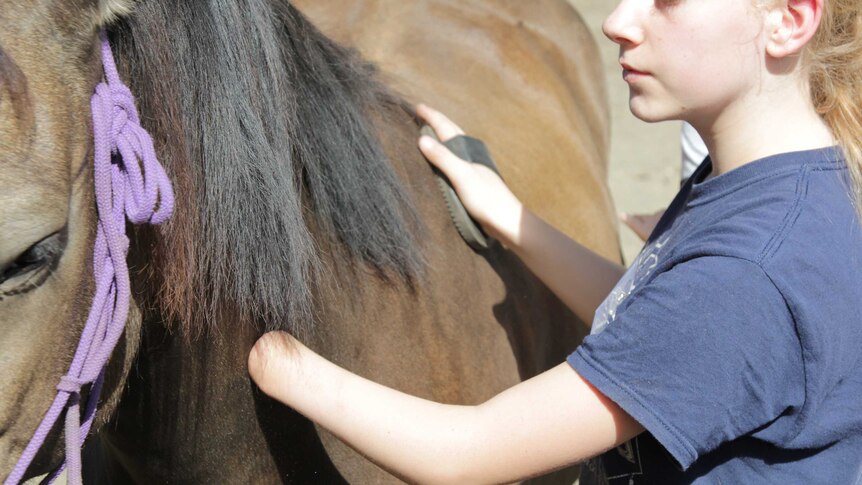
688 59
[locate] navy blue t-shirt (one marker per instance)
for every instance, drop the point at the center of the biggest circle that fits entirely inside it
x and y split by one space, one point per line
735 338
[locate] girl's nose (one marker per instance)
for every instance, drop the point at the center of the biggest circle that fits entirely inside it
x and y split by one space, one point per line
622 24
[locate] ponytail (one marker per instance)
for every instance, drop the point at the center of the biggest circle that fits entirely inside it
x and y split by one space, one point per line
834 62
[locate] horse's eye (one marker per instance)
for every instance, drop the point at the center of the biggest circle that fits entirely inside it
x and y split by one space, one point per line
35 257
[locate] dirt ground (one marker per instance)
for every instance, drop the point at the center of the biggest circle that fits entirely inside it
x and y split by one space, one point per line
645 158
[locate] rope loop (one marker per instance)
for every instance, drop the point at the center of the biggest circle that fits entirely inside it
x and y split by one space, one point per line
71 385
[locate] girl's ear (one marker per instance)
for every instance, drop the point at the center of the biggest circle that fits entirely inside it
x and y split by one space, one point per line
790 25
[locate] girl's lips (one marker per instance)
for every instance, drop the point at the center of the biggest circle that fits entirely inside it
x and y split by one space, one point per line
630 73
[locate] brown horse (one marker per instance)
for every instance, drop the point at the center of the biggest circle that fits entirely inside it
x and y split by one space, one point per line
523 76
302 204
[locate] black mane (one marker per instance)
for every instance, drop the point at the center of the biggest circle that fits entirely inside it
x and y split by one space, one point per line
266 128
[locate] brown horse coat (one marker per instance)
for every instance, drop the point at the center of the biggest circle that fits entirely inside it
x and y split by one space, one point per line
464 329
522 76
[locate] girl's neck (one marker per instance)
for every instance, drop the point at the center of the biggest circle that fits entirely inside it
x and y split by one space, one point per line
762 126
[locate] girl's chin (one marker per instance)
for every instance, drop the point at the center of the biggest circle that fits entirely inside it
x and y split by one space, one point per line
652 118
651 113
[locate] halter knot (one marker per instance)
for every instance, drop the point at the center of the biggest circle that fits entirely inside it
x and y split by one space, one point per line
138 176
121 105
71 385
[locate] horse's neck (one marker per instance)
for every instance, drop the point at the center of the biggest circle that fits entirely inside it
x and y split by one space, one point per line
190 412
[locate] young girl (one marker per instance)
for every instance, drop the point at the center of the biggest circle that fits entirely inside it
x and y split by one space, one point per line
730 351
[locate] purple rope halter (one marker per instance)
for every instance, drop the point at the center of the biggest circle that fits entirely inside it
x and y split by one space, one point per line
130 183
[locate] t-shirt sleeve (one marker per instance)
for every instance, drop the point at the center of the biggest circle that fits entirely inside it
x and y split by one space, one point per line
703 354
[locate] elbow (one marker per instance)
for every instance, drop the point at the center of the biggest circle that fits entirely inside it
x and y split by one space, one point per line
452 473
459 455
465 458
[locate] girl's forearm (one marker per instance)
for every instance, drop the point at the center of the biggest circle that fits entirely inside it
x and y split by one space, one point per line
578 276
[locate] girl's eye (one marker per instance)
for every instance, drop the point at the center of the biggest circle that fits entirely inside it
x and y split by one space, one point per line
35 257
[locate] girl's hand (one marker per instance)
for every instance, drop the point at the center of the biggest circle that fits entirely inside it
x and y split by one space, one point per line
274 361
483 193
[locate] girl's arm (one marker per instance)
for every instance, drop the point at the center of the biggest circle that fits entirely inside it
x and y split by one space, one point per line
545 423
578 276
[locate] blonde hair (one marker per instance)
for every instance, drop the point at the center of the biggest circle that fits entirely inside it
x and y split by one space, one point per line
833 58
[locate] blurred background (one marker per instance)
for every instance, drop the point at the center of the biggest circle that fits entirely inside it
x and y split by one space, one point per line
645 158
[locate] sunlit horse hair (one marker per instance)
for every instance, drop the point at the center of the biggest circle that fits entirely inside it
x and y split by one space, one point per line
267 130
